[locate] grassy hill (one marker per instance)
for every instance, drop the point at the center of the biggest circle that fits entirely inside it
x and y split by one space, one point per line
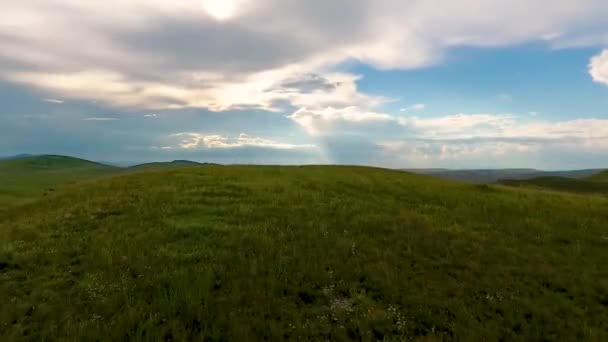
22 179
496 175
164 165
302 253
600 177
590 185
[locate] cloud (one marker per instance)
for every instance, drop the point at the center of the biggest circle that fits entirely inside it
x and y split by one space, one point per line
224 55
153 115
458 125
484 139
505 127
197 141
440 152
418 106
319 122
465 139
306 83
598 68
53 101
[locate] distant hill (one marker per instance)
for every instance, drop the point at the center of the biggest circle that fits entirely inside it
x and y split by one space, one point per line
492 176
19 156
164 165
600 177
27 177
48 163
561 184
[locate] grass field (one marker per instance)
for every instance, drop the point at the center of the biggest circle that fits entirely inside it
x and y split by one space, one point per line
595 184
302 253
600 177
29 178
592 185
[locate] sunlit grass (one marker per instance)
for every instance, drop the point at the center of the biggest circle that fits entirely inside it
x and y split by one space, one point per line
297 253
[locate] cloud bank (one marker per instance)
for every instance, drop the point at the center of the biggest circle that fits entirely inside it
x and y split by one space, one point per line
243 54
598 68
191 141
287 57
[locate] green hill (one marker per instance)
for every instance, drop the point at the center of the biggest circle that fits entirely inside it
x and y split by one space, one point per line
47 163
600 177
302 253
22 179
164 165
589 185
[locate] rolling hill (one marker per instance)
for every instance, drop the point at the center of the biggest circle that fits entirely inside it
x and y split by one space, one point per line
495 175
600 177
18 156
561 184
165 165
27 177
243 253
24 178
597 183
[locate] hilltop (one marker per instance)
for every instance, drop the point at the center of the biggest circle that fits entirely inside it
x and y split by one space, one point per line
26 177
18 156
302 253
597 183
30 177
164 165
48 163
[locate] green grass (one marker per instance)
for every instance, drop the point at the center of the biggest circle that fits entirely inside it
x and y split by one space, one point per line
24 179
303 253
600 177
29 178
590 185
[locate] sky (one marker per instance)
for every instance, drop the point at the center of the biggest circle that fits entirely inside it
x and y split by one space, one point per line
390 83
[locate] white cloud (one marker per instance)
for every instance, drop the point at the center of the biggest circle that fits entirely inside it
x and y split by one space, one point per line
590 132
598 68
459 125
458 138
318 122
197 140
53 101
507 128
153 115
435 153
226 54
417 106
489 139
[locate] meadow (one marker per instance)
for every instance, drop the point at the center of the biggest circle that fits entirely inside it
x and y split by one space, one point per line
246 253
592 185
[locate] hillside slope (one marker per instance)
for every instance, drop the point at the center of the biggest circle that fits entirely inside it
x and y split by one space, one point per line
22 179
600 177
583 186
496 175
164 165
303 253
